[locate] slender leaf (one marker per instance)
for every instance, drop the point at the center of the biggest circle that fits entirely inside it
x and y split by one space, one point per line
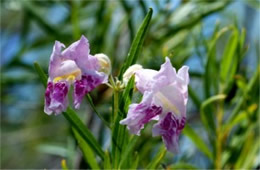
247 148
194 17
75 121
196 139
253 82
136 161
32 11
127 152
206 117
229 61
107 163
157 159
95 110
182 165
210 68
194 97
239 118
137 43
41 74
125 98
56 150
87 152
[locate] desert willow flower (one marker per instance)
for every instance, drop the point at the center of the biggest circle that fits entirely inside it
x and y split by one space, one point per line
77 67
165 96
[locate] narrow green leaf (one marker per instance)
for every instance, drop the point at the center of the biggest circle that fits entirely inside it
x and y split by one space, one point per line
210 76
125 98
75 121
194 97
95 110
229 61
199 143
127 152
128 10
56 150
75 8
43 77
137 43
157 159
206 117
243 115
182 165
34 13
107 163
87 152
194 17
248 146
136 161
253 82
251 155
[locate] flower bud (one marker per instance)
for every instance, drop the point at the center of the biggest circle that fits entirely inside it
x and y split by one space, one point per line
130 71
104 62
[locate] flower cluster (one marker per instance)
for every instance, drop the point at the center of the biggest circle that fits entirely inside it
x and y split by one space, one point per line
73 66
165 96
165 92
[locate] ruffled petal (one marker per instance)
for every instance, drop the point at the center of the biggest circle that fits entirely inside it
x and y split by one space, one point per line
86 84
165 76
140 114
144 79
183 75
56 100
79 52
170 128
56 59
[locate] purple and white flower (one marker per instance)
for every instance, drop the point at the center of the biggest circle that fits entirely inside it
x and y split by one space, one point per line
72 66
165 96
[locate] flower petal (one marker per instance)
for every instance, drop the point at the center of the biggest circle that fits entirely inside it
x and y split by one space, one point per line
79 52
183 75
140 114
87 84
56 100
144 79
170 128
130 72
56 59
165 76
172 99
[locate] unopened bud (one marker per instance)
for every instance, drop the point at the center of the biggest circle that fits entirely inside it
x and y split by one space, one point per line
104 62
130 71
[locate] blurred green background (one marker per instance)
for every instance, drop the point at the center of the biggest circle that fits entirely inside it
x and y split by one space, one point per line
218 40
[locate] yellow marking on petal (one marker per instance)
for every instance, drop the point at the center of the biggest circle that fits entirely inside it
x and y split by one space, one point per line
71 78
68 77
167 103
57 79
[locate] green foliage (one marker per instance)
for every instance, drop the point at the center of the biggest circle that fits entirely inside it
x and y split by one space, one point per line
88 154
196 139
155 162
137 43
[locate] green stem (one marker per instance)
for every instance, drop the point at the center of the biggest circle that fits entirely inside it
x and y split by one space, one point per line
115 105
220 112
